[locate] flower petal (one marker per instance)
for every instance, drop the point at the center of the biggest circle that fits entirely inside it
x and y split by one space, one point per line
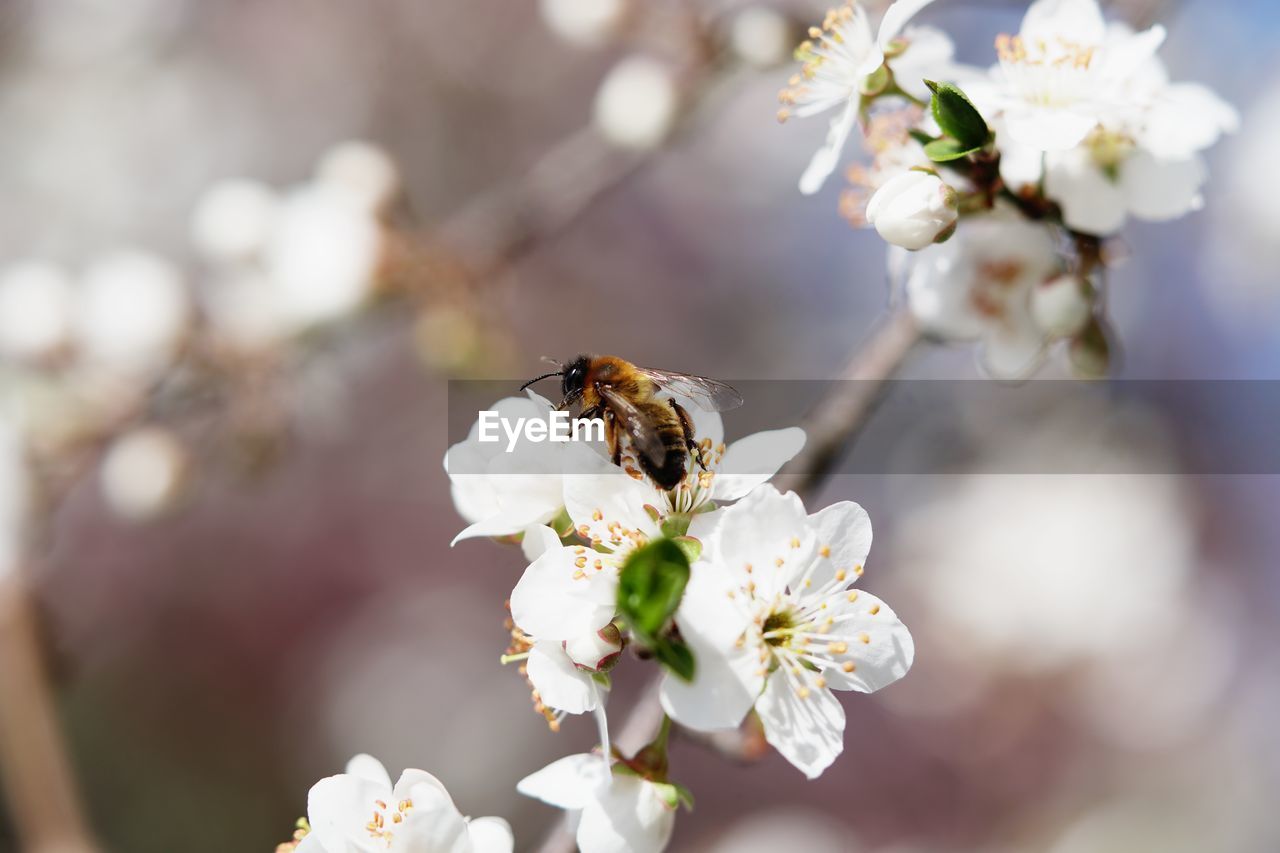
610 507
555 600
762 539
752 460
628 817
568 783
338 807
1160 190
559 683
1186 118
367 767
538 540
826 159
895 18
1047 129
809 731
726 681
1090 201
1051 21
434 824
880 646
843 532
490 835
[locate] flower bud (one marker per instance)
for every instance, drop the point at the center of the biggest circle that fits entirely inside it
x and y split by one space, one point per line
914 210
1060 306
597 652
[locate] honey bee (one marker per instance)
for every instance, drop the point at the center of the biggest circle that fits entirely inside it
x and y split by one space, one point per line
625 397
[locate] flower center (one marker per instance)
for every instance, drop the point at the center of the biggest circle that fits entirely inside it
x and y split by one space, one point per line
1047 73
776 629
385 819
830 62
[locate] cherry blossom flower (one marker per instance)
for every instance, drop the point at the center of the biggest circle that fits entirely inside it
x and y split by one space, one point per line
773 624
1065 72
978 286
360 810
913 210
837 60
619 812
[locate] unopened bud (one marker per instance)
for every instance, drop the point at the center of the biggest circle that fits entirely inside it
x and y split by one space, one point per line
1060 306
598 651
914 210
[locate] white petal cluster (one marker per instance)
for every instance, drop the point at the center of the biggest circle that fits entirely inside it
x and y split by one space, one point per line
618 812
361 810
775 625
1088 108
282 262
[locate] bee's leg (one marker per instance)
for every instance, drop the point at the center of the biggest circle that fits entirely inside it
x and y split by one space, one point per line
686 424
612 438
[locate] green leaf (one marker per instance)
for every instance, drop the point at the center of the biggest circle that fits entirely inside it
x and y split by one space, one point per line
957 116
651 586
946 150
675 656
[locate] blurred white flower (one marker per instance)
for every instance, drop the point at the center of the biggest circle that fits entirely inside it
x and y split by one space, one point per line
637 103
233 220
913 210
772 623
364 170
243 308
132 312
1060 306
1086 564
143 473
324 254
587 23
761 36
36 310
1065 72
838 59
803 828
360 810
619 812
977 286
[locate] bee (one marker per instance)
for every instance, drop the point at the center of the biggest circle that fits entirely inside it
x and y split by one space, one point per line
625 397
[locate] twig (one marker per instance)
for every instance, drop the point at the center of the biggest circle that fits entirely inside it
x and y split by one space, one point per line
38 781
836 419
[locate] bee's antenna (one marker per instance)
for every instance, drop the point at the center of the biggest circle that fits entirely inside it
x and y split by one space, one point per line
540 378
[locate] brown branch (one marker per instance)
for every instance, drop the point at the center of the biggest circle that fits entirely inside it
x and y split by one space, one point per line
38 780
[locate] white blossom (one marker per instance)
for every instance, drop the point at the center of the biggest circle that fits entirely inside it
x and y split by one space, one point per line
361 169
773 624
323 255
586 23
131 313
761 36
233 220
36 310
837 60
913 210
1060 306
143 473
360 811
503 493
637 102
1065 72
978 285
619 812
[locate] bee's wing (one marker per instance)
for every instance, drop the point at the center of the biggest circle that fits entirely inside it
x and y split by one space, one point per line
708 394
644 437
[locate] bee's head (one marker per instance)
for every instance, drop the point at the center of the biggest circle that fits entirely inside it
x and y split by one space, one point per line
575 378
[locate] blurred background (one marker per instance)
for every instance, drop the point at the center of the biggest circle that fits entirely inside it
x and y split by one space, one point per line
243 247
